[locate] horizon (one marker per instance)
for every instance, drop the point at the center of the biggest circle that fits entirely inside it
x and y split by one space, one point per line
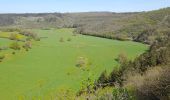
85 12
75 6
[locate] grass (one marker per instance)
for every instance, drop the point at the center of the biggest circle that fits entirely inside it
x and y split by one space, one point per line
50 66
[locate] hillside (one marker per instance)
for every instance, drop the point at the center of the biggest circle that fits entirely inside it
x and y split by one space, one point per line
141 26
58 19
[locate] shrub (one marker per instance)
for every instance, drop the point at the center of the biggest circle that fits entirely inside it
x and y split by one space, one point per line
31 35
13 53
102 79
1 57
74 33
81 62
34 36
156 84
61 39
14 36
87 86
10 29
69 39
27 45
153 85
122 94
3 48
115 77
15 46
122 58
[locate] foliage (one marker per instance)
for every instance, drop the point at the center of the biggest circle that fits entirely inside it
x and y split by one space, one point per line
122 58
69 39
27 45
10 29
30 35
61 39
3 48
14 36
154 84
1 57
82 62
15 46
122 94
102 80
142 27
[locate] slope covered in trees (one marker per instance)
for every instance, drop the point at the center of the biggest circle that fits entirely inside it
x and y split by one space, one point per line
139 26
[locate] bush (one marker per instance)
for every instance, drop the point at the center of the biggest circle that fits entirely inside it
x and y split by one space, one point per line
122 58
3 48
81 62
122 94
13 53
14 36
15 46
31 35
10 29
61 39
153 85
103 79
156 84
27 45
69 39
74 33
115 77
1 57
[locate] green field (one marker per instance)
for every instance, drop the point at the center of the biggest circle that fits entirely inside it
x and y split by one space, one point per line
50 66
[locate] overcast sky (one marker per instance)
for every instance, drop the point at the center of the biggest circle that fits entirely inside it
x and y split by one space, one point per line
39 6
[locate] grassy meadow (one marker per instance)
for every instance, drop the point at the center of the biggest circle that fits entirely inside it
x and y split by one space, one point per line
51 65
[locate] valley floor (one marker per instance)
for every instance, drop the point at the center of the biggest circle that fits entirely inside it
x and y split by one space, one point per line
60 61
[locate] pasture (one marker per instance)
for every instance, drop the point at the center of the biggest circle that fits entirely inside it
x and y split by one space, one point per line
52 64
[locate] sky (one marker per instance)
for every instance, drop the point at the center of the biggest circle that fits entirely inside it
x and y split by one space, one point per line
40 6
